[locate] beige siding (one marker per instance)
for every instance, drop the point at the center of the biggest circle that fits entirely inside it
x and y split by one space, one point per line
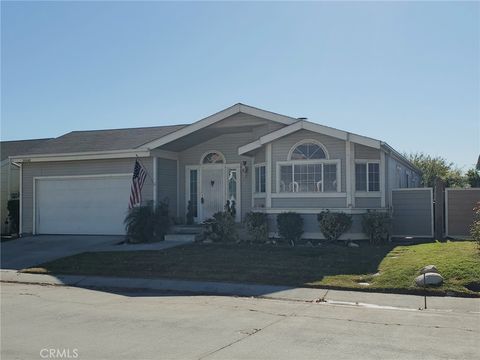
260 156
72 168
396 176
282 146
312 230
365 152
228 145
309 203
167 183
368 202
259 203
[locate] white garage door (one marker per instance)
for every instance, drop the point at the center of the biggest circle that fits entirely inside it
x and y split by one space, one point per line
82 205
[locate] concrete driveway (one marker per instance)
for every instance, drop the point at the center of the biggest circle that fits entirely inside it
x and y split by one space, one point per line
34 250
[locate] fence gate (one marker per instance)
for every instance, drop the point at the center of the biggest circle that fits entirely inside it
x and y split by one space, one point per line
412 212
459 204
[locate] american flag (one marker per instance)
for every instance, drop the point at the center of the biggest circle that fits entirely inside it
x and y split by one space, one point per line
139 176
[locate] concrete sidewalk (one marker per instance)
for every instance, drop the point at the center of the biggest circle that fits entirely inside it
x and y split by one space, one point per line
353 298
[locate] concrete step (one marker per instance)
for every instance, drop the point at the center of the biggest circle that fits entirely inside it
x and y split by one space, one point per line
181 237
187 229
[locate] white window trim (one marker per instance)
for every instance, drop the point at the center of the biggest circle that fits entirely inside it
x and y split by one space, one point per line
367 193
310 162
307 141
259 165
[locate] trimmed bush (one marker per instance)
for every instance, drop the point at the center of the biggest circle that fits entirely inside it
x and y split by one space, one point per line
146 223
376 225
290 226
475 227
221 227
333 225
257 226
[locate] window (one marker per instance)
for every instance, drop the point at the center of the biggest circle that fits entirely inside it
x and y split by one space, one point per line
260 178
367 176
213 158
193 191
317 177
232 185
308 170
308 150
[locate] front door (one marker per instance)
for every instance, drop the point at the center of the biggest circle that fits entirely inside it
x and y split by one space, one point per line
212 194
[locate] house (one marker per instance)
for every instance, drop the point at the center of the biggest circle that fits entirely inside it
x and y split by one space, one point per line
10 174
79 183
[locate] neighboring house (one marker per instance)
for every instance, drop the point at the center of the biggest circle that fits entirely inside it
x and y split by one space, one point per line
79 183
10 174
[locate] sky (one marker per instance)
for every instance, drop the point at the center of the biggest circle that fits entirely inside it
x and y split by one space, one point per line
406 73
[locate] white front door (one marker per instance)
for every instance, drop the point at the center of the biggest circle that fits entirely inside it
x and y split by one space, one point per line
212 194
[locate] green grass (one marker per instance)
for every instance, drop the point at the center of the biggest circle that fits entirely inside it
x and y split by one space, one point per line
331 266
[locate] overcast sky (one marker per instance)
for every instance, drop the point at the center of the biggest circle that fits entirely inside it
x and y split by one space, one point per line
406 73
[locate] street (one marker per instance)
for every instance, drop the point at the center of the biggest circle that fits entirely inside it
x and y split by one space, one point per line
88 324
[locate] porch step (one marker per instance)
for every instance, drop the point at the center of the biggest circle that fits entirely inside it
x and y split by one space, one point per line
182 237
187 229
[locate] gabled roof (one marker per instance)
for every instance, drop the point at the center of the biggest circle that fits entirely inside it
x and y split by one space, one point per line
321 129
221 115
308 125
102 140
19 147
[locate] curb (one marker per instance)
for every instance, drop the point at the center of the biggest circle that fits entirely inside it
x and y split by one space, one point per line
272 292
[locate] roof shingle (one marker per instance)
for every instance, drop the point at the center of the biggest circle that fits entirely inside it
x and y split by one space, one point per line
102 140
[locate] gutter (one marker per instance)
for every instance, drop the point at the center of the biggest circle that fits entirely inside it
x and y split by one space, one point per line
88 155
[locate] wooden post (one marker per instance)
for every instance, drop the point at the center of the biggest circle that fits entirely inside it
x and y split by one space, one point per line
439 209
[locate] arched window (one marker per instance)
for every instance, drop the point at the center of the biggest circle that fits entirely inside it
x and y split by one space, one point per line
308 150
213 157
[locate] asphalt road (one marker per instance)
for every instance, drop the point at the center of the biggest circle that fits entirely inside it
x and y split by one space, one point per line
87 324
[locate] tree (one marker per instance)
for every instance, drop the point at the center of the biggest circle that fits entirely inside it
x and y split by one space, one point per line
437 167
473 178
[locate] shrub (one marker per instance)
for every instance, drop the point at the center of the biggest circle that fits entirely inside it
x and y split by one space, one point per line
290 226
333 225
13 207
146 223
221 227
475 227
257 226
376 225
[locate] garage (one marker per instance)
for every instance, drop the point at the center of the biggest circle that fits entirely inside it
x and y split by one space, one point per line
88 205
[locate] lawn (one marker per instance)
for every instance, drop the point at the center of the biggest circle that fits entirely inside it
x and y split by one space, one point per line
386 268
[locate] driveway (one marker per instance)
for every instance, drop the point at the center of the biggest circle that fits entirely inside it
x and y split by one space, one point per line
34 250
